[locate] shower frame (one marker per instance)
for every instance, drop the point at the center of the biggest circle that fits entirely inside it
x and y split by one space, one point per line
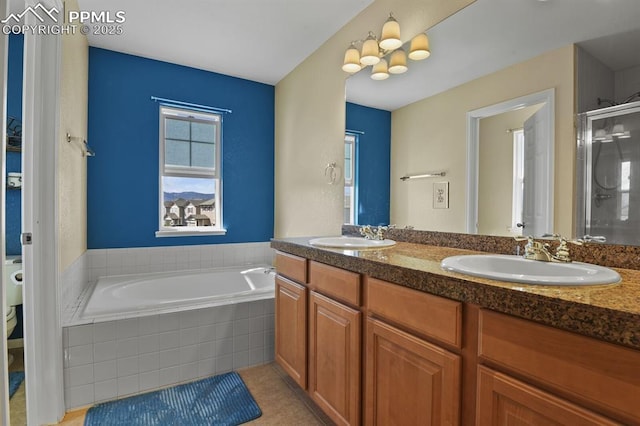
584 160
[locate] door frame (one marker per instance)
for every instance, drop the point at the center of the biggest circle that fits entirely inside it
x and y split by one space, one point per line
4 389
43 327
473 155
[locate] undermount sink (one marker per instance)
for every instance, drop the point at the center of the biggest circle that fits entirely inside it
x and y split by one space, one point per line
350 242
521 270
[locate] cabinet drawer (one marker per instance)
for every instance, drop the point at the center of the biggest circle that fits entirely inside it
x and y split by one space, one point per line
291 266
593 373
420 312
335 282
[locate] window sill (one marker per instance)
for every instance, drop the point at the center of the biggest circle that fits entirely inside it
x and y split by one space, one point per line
189 233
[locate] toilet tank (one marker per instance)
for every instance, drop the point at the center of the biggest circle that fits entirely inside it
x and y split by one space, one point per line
13 280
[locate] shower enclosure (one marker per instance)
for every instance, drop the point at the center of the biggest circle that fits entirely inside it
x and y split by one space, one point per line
608 167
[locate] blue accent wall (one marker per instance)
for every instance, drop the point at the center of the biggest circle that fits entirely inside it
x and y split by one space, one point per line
14 159
373 162
123 184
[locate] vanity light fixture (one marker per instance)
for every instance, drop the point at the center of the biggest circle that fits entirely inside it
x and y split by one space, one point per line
370 51
398 62
380 70
618 130
419 47
352 59
373 51
599 135
390 39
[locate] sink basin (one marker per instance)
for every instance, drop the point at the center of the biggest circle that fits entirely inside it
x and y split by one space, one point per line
350 242
521 270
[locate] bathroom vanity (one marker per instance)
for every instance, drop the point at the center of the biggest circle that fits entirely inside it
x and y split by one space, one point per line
387 336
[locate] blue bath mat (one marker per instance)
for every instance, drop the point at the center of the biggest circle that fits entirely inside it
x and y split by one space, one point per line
15 380
219 400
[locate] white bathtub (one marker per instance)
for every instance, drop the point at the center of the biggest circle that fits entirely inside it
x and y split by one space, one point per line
127 295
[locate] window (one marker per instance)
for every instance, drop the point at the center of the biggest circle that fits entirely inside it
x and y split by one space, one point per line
190 178
349 178
518 181
625 186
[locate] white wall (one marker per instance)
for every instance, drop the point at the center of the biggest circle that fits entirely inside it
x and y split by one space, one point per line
430 135
72 166
310 118
627 82
594 80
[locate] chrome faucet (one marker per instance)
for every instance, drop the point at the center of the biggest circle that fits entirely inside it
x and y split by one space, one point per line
536 250
373 233
367 232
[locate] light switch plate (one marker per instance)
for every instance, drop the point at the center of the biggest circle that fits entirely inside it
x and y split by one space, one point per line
441 195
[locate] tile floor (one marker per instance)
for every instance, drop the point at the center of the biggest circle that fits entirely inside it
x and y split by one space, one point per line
17 404
282 402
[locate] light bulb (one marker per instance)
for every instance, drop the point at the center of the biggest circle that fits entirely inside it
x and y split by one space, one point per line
390 38
398 62
419 47
351 60
370 51
379 71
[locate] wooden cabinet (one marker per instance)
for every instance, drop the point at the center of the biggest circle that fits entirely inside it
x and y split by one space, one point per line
291 316
334 358
408 380
291 329
503 400
319 334
421 359
594 375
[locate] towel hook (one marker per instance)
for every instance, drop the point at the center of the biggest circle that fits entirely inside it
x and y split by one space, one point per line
330 170
86 149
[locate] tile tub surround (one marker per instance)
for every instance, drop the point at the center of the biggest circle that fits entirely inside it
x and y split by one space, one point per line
611 255
109 360
610 313
78 279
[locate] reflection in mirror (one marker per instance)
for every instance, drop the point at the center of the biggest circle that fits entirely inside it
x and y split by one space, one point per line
510 180
470 69
368 197
502 171
610 149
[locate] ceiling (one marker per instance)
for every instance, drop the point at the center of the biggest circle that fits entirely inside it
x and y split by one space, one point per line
263 40
490 35
259 40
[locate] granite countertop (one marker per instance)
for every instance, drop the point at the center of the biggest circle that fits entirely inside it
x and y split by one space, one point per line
607 312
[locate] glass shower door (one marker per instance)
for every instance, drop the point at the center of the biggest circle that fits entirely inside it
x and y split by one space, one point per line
609 174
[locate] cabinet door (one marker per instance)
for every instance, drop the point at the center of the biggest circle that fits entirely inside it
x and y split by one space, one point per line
334 358
408 380
503 400
291 329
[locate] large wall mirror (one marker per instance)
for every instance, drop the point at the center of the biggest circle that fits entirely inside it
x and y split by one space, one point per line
573 49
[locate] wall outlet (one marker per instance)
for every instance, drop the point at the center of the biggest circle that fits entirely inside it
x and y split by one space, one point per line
441 195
